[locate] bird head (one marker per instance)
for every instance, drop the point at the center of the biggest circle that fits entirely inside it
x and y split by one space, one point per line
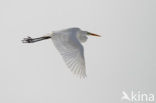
82 35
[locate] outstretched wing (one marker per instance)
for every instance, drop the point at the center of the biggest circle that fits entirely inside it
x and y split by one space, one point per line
72 52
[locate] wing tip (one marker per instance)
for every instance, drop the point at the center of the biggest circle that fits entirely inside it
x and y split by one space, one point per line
80 76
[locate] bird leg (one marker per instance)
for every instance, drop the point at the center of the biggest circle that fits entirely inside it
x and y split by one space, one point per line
32 40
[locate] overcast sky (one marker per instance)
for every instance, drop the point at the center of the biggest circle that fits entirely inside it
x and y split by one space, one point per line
123 59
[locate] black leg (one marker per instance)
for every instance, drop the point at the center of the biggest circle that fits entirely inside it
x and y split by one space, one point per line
32 40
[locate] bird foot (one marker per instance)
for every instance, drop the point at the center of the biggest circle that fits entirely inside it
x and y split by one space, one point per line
28 40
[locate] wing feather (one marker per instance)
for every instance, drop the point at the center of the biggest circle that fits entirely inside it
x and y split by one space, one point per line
72 52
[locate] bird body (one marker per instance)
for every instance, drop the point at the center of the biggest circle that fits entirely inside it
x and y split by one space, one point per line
68 43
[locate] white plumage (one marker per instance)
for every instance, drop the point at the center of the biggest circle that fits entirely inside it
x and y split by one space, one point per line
68 43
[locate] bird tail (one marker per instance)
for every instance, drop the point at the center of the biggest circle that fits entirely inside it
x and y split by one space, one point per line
32 40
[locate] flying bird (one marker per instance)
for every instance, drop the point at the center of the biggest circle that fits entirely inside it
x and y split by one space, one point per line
68 43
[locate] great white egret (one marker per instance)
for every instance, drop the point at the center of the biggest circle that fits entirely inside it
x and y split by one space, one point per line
68 43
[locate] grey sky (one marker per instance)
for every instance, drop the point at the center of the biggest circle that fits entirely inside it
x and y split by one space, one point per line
122 59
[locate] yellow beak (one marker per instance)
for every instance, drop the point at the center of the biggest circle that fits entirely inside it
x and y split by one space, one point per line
92 34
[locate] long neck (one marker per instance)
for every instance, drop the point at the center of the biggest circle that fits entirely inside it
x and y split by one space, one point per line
32 40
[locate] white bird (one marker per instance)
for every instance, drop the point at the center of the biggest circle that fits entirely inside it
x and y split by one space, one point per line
68 43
